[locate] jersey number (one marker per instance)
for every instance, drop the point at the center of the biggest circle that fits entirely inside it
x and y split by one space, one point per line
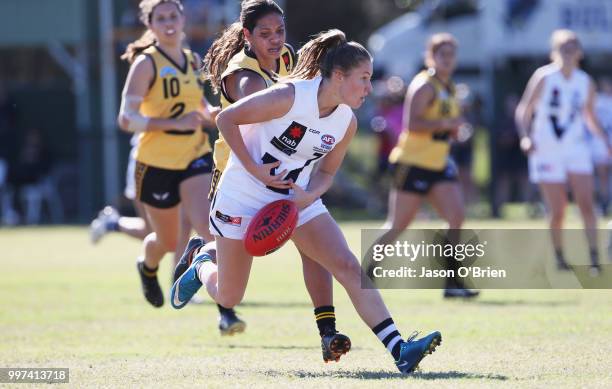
172 87
292 175
176 111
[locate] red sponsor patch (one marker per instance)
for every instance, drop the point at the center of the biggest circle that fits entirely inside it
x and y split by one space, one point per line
234 220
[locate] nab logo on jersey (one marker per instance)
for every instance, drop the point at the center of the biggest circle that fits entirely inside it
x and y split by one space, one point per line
290 138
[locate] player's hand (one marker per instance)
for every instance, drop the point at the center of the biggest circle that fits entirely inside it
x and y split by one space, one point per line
264 173
191 121
210 113
527 145
301 198
453 126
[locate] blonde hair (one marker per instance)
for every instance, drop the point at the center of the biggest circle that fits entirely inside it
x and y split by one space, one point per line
435 42
558 38
147 39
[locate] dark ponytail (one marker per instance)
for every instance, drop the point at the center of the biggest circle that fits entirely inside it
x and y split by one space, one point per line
327 51
232 39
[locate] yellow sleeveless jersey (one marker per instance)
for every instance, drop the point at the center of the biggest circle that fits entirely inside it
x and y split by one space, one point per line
246 60
425 149
174 92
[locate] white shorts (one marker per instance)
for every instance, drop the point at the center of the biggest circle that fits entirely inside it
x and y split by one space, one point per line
599 151
230 218
130 181
553 162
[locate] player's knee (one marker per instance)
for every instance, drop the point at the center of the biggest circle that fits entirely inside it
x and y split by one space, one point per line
346 268
556 220
167 243
201 227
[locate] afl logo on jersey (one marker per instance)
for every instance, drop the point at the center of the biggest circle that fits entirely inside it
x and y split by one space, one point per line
167 71
327 141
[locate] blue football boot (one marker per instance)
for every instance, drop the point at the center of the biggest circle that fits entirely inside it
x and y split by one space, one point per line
413 351
188 283
195 242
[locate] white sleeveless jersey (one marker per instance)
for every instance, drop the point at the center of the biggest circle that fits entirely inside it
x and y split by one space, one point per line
298 140
558 115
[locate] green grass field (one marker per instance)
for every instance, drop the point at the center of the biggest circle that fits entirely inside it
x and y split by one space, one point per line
64 303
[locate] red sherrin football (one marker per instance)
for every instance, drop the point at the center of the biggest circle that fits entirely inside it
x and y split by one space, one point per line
271 227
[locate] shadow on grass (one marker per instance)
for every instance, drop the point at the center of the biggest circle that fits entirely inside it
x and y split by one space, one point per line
527 303
263 304
379 375
262 347
254 347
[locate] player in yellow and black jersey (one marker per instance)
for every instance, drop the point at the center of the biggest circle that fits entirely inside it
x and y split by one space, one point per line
421 165
250 56
163 102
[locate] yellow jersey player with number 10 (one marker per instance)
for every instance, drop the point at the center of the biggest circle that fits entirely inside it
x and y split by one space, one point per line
175 90
163 102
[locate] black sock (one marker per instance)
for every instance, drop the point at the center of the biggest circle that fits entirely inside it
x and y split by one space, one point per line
148 271
112 225
389 336
326 319
559 255
594 257
223 310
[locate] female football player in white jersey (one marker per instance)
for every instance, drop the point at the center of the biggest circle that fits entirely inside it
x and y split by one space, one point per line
296 123
601 159
249 56
551 117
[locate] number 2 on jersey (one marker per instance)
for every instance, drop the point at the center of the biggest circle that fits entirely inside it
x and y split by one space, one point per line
292 175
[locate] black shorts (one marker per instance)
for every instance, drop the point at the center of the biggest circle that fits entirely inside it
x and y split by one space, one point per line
159 187
418 180
214 183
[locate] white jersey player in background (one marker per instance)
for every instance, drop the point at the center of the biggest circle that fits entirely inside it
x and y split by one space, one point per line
554 111
601 159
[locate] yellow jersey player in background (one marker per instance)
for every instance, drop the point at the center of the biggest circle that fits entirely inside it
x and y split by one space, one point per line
163 102
250 56
421 164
